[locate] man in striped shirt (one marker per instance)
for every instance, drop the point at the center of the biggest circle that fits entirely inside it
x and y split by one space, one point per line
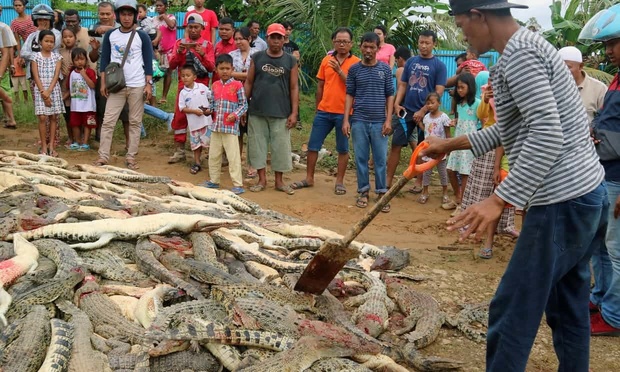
370 92
554 174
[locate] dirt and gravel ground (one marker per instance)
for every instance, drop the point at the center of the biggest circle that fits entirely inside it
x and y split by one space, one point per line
454 277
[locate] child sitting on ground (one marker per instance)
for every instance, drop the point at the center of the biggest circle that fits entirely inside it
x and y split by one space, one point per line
436 123
194 102
229 104
81 90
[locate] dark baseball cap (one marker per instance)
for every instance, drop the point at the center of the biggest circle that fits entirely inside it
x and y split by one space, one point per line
464 6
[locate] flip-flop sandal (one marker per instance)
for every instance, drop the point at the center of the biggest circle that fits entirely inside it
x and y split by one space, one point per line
100 162
340 189
131 164
12 127
386 208
257 188
162 101
210 185
238 190
362 200
54 154
195 169
486 253
286 189
415 190
252 174
422 199
299 185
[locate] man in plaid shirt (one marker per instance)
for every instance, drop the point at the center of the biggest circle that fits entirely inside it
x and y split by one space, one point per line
228 105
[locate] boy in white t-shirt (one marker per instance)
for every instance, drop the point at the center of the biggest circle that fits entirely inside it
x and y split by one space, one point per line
81 89
194 102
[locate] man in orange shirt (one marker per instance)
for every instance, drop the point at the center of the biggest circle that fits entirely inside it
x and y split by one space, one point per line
330 97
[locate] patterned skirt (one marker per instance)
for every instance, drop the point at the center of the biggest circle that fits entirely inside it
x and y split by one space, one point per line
480 186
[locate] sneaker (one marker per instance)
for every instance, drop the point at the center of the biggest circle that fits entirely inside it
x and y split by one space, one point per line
599 327
74 146
84 147
299 126
238 190
177 157
169 121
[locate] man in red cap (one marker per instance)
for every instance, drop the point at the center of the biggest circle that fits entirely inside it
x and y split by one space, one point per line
272 85
197 51
555 175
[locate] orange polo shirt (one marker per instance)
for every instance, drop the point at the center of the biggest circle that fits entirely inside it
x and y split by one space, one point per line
334 90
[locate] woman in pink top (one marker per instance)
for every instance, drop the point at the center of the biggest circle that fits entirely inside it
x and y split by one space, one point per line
386 51
21 26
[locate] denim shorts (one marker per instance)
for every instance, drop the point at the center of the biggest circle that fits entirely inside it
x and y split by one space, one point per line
323 123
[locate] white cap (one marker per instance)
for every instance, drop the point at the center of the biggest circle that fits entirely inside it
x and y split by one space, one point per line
570 53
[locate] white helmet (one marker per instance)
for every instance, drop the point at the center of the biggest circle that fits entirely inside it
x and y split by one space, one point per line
42 11
126 4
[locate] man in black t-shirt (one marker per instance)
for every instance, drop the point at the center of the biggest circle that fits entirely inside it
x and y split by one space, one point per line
272 84
290 46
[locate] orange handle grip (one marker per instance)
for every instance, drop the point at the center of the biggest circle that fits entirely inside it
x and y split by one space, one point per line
415 169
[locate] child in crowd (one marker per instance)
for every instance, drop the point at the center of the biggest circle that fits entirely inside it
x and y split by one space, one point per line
229 104
45 69
146 23
467 122
471 64
194 102
68 43
437 124
18 79
81 90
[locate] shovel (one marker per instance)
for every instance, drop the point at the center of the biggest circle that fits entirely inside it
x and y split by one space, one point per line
334 253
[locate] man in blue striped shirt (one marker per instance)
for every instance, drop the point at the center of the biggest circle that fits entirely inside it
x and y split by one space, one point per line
369 93
554 173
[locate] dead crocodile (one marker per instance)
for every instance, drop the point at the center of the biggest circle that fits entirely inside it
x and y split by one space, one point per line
25 261
83 356
45 293
105 315
147 258
101 232
421 310
59 351
26 353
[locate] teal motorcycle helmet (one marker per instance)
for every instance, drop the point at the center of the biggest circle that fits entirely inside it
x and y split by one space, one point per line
604 26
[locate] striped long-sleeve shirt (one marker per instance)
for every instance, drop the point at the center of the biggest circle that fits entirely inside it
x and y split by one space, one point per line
542 125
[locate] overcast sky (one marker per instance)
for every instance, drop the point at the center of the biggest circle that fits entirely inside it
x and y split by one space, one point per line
538 8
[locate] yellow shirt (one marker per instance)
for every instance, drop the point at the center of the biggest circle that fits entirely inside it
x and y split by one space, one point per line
486 114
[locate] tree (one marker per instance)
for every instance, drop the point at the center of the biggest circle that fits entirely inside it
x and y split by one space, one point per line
568 19
316 20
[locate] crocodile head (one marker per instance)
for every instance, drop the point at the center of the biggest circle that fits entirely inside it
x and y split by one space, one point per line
391 259
207 226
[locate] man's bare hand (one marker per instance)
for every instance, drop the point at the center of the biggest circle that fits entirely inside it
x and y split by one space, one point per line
478 218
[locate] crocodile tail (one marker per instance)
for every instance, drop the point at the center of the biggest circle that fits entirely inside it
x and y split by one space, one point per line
428 364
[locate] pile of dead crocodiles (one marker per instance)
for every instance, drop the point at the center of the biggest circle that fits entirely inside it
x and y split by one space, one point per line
96 274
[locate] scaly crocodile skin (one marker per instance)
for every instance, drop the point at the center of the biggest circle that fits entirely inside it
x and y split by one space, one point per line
421 310
59 351
26 353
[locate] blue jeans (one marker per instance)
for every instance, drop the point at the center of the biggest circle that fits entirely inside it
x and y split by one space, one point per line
548 272
606 264
323 123
366 137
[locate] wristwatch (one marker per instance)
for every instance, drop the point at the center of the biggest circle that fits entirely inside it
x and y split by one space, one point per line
150 82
